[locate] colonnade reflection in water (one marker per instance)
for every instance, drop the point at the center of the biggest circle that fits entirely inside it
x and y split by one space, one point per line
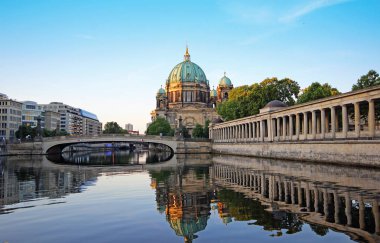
279 196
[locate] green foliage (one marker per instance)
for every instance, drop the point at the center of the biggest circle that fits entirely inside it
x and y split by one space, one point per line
31 132
113 128
248 100
206 129
370 79
53 133
184 132
201 132
26 131
316 91
198 131
160 125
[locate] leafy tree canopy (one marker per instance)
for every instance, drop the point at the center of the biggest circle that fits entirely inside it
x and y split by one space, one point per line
370 79
248 100
198 131
316 91
113 128
160 125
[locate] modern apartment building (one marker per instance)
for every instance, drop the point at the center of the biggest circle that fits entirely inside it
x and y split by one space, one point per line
52 120
10 117
75 121
30 113
91 124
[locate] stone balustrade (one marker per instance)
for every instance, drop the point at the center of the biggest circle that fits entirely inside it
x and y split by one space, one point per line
345 116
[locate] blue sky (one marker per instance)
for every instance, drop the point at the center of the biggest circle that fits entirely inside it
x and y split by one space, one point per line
110 57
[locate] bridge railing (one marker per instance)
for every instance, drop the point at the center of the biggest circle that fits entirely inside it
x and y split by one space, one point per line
47 139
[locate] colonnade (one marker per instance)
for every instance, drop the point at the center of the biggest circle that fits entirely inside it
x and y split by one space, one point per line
348 116
323 198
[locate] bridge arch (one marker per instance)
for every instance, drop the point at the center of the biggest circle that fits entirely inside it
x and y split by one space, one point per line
57 144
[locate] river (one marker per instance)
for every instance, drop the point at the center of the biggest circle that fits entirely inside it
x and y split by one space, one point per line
122 196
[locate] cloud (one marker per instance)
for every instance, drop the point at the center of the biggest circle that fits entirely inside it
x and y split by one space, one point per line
309 8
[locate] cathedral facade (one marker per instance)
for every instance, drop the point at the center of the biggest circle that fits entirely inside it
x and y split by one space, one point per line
187 97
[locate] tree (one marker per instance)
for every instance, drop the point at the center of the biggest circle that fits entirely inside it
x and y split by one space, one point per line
370 79
248 100
206 129
316 91
198 131
112 128
25 131
160 126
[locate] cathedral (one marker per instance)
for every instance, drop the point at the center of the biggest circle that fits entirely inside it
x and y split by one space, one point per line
187 97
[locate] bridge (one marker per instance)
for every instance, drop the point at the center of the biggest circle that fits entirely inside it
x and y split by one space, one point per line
57 144
342 128
52 145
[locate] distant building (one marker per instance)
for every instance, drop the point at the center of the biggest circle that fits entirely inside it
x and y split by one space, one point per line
30 112
75 121
52 120
129 127
91 124
10 117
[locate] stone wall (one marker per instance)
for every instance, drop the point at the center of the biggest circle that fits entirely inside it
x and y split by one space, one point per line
24 149
193 147
365 153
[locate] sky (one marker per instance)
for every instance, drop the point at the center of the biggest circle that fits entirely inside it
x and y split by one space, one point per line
110 57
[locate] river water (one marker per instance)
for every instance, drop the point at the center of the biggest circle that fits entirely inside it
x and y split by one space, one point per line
115 196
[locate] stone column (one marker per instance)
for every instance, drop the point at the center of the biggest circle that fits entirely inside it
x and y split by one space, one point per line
336 207
333 128
249 130
299 194
291 127
305 123
361 213
270 129
286 191
376 215
325 203
307 195
344 121
253 130
263 184
371 118
323 125
262 130
314 124
278 128
284 127
348 208
357 119
316 200
292 193
279 190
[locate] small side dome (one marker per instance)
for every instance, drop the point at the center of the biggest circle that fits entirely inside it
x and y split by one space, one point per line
275 104
225 81
161 91
216 120
213 93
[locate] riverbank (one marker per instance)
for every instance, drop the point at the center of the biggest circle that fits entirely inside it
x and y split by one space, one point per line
355 152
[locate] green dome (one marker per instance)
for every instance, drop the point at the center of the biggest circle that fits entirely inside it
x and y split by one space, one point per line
161 91
225 81
213 93
187 71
